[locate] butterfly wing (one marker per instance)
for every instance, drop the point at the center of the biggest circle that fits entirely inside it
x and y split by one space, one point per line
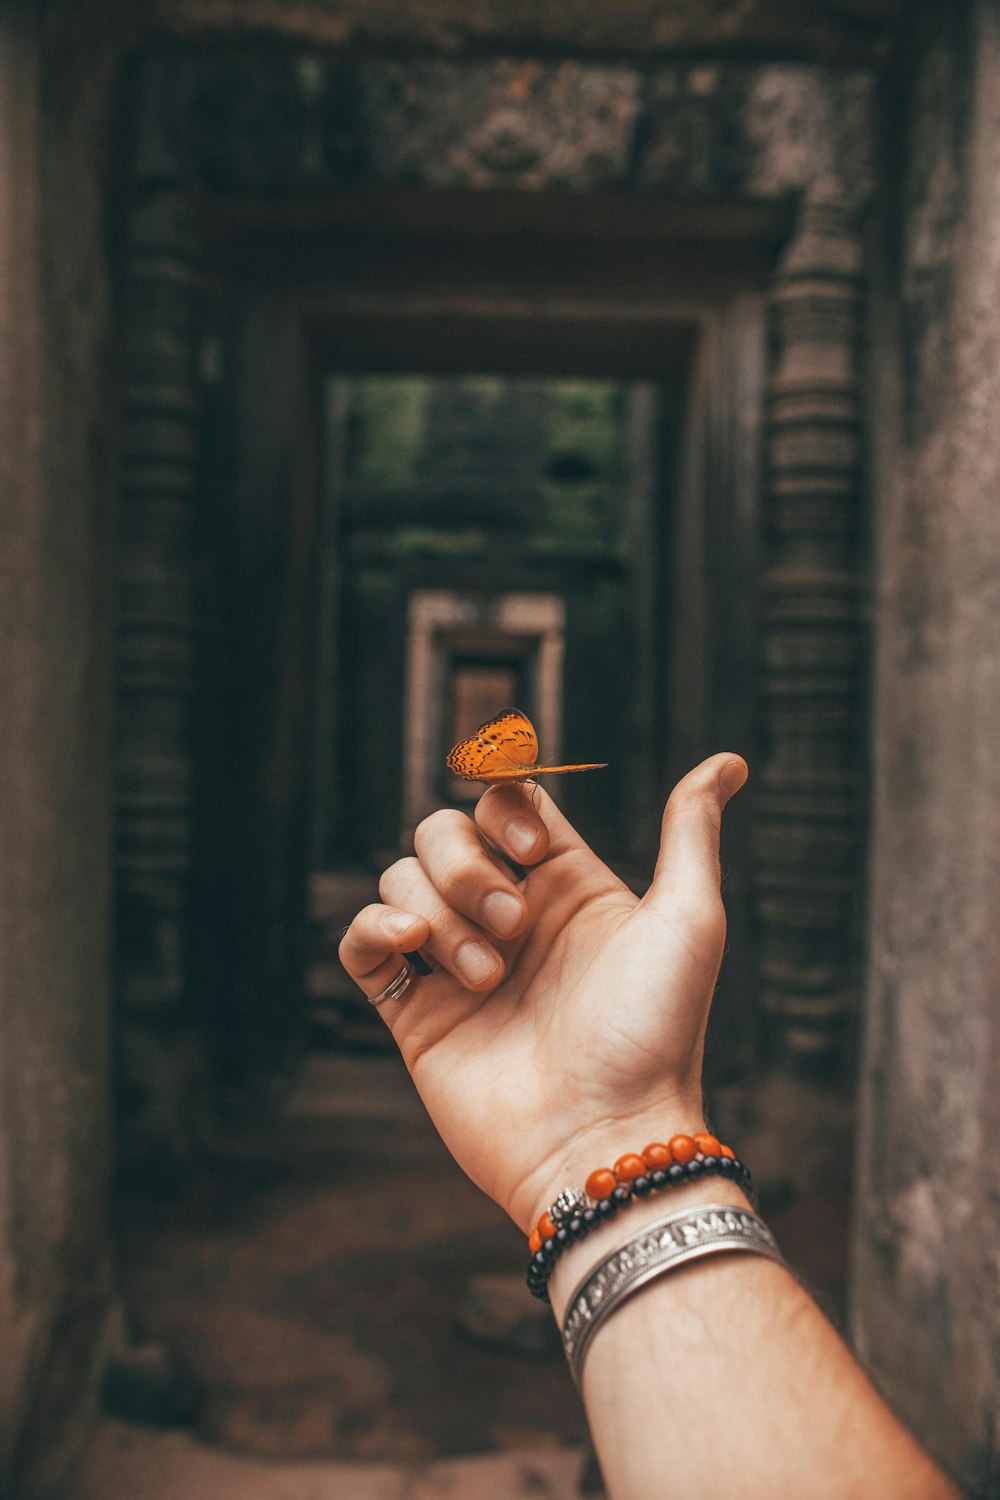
503 749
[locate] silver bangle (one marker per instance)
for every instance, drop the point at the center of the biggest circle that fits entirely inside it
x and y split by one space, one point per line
661 1246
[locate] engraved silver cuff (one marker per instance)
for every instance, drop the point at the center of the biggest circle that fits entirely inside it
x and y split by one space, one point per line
661 1246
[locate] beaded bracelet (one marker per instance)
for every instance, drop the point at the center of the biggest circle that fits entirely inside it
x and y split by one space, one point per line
684 1158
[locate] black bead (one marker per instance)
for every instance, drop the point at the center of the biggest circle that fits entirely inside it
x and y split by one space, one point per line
621 1195
675 1174
641 1186
590 1217
726 1166
577 1229
562 1237
694 1168
540 1261
550 1251
658 1178
710 1164
607 1208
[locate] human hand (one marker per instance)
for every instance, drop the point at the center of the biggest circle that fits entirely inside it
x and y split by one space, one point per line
565 1021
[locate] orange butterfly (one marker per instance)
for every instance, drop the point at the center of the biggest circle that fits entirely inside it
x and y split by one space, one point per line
504 749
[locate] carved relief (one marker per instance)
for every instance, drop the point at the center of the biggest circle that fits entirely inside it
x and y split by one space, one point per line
515 124
156 642
809 802
243 122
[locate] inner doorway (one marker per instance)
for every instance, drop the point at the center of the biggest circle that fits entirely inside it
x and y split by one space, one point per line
475 441
488 540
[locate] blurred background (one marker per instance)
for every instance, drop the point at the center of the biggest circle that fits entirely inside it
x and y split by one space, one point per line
366 368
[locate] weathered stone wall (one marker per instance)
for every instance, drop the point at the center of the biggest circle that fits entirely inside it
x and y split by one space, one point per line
926 1302
927 1272
54 695
833 31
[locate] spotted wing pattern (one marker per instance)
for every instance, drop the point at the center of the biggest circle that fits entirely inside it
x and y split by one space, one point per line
504 749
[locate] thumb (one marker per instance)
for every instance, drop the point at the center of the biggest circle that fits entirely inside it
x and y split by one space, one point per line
688 862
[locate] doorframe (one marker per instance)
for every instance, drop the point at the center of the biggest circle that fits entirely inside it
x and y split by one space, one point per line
200 185
291 337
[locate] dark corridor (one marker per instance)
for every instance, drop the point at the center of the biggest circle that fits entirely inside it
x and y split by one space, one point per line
421 452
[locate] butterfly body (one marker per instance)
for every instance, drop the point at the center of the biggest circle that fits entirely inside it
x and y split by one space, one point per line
505 749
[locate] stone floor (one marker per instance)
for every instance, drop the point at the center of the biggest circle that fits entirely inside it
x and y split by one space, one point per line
126 1463
348 1310
335 1289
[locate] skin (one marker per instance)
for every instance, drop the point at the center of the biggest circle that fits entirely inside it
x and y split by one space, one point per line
563 1025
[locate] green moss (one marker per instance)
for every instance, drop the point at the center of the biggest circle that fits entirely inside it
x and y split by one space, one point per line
391 450
388 414
488 390
409 541
585 421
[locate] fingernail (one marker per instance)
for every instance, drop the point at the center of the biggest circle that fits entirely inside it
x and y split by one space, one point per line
502 912
476 962
396 923
521 836
732 778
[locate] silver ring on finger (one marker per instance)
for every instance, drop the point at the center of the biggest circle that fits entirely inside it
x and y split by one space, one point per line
396 987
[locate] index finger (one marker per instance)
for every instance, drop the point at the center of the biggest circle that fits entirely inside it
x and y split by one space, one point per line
522 820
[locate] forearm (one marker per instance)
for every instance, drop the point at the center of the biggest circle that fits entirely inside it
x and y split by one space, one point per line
723 1378
579 1040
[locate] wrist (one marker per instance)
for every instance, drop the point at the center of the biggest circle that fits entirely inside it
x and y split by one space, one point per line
581 1210
601 1146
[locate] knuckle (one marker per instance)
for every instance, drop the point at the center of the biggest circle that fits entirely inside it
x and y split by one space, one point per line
708 917
459 875
444 821
398 876
368 917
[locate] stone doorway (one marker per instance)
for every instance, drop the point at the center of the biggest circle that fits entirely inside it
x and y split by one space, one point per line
692 235
575 567
284 296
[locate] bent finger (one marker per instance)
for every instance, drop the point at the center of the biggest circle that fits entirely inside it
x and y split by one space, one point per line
371 948
521 819
453 941
468 875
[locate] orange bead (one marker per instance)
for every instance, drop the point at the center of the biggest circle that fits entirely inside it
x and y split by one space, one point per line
629 1166
707 1143
601 1183
684 1148
725 1151
657 1155
534 1242
546 1228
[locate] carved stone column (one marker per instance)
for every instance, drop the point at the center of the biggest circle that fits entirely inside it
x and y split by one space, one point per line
810 791
156 632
